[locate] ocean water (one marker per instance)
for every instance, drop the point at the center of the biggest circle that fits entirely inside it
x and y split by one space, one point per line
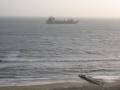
32 51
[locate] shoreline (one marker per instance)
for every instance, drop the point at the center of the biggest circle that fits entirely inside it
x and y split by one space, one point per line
110 83
107 79
44 83
66 85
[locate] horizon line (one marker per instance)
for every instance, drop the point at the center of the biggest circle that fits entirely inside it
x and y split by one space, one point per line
60 17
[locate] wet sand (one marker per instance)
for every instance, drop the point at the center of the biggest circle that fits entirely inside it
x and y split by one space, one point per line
66 86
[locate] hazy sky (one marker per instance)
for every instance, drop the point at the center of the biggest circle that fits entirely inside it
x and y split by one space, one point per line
75 8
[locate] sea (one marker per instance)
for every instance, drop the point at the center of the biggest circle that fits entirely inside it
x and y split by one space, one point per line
33 52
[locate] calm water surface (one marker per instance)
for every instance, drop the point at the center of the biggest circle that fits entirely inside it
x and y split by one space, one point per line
32 51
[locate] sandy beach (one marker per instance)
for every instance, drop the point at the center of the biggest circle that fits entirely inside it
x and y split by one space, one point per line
67 86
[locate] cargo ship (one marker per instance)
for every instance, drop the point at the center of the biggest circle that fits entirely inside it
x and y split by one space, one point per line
52 20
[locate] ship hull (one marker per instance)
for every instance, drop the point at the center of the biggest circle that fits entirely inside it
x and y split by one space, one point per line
62 22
